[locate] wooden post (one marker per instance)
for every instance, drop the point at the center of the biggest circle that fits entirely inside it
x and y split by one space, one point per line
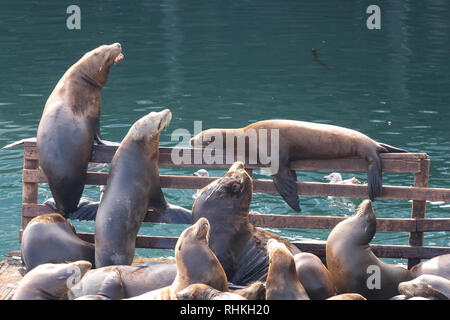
418 209
29 190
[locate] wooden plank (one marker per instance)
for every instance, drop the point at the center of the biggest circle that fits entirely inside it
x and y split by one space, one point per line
418 208
29 189
153 242
11 272
316 247
325 222
298 221
267 186
382 251
397 163
433 224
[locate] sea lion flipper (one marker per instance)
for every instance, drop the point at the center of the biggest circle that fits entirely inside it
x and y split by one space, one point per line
19 142
374 178
286 183
385 148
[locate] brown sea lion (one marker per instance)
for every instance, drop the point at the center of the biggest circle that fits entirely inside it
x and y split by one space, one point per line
50 281
133 186
427 286
69 124
196 263
299 140
439 266
50 238
123 282
347 296
282 282
240 247
314 276
353 266
200 291
254 291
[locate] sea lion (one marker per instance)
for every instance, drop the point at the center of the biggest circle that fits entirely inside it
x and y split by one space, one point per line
50 238
93 297
314 276
282 282
133 186
240 247
427 286
254 291
347 296
135 280
353 266
70 123
50 281
439 266
196 263
299 140
200 291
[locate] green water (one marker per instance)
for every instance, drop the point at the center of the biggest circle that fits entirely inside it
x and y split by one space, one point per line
231 63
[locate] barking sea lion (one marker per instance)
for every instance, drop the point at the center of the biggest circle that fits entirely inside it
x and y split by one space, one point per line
133 186
353 266
69 124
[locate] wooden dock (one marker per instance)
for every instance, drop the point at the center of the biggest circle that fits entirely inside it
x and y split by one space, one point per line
416 164
11 272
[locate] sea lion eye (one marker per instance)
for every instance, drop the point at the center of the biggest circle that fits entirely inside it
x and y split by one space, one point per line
236 187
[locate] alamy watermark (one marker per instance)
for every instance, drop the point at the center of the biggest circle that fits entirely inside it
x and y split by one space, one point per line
374 278
374 20
73 22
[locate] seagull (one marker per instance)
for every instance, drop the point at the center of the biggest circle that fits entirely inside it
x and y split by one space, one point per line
199 173
336 177
344 203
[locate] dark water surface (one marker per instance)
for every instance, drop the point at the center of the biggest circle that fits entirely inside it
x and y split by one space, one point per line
231 63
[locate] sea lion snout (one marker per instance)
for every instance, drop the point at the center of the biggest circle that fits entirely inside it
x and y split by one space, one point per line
151 124
202 229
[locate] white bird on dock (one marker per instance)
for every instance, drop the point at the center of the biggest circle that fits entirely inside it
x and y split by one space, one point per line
344 203
200 173
336 177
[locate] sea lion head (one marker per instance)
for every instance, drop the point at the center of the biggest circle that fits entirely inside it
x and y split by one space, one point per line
50 218
363 224
280 258
426 286
94 65
207 137
148 127
231 193
196 263
51 281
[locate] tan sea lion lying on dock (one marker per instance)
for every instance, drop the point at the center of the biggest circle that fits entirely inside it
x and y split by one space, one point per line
299 140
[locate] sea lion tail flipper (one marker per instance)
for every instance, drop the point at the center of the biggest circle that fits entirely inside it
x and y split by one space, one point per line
286 183
19 142
374 178
385 148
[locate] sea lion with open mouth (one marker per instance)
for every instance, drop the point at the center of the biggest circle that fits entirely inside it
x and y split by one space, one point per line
299 140
70 123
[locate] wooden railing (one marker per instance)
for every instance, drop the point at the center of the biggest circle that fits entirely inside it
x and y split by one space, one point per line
416 163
